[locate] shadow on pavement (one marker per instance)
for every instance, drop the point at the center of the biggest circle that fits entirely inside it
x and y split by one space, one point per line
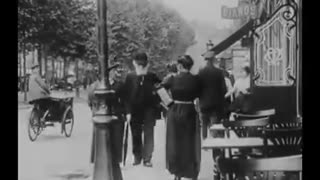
50 137
74 175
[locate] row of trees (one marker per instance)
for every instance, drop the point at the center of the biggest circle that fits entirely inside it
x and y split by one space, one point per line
67 29
147 26
55 28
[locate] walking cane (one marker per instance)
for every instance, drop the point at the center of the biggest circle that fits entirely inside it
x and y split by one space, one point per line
125 141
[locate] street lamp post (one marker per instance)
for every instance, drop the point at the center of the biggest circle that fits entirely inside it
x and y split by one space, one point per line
104 113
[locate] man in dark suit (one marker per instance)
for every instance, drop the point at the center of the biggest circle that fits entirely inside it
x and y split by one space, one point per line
141 107
212 95
211 98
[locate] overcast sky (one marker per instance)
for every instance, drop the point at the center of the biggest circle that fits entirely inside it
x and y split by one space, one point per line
202 10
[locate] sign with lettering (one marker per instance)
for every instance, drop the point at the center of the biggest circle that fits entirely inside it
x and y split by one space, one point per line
242 11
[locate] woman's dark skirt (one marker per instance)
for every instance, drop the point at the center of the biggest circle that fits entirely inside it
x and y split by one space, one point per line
183 149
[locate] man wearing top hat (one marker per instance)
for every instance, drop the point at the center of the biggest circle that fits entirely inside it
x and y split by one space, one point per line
142 108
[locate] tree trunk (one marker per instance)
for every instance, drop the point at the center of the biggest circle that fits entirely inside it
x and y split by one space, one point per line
57 67
61 69
25 73
45 63
33 55
53 71
64 67
77 78
40 59
20 65
20 73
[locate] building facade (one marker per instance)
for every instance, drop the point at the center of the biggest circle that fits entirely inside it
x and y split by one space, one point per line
273 35
276 58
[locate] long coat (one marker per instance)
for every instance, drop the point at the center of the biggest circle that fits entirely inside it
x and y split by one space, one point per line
38 89
135 94
213 89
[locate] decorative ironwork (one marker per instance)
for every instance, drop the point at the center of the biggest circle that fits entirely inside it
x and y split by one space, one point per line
289 12
275 52
273 56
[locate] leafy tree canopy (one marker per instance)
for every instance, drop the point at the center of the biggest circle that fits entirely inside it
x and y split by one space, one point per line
67 28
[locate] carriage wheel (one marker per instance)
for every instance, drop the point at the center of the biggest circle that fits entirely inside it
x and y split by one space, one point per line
34 127
67 123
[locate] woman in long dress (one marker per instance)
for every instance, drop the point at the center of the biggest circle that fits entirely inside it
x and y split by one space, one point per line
183 131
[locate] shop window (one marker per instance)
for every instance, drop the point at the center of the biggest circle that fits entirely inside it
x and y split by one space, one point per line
275 49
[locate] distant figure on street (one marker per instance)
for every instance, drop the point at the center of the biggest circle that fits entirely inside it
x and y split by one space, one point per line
212 102
213 89
241 91
183 127
231 77
142 106
172 68
228 83
229 99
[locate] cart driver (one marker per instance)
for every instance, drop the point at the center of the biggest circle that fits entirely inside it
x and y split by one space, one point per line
38 89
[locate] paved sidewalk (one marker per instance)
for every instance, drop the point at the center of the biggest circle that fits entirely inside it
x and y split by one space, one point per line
54 157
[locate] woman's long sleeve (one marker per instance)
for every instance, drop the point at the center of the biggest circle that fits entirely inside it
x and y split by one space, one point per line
167 81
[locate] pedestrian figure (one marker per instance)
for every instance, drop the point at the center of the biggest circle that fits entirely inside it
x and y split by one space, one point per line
228 100
38 89
212 95
231 77
142 108
212 102
117 126
241 91
183 127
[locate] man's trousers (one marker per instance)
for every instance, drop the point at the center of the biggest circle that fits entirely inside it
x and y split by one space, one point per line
143 123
